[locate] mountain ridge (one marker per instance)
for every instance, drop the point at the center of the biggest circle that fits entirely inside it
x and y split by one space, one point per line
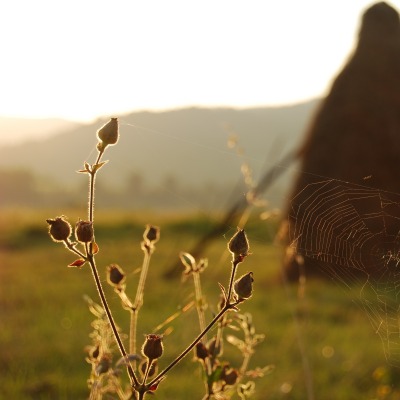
186 146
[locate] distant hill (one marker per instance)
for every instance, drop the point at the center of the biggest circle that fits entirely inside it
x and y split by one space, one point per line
16 130
187 146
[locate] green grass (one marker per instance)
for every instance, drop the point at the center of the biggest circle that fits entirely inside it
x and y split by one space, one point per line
45 322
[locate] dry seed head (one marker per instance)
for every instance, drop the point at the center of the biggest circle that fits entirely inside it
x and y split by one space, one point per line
104 365
108 133
239 245
201 351
59 229
244 286
151 234
115 275
153 347
229 375
84 231
214 349
95 351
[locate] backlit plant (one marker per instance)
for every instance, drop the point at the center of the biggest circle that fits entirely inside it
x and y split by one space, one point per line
221 380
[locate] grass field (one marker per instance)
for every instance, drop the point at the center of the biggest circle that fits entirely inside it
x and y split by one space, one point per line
322 345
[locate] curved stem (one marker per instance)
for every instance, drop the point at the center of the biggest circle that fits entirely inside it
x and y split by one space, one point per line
228 306
71 247
133 334
199 302
140 290
90 259
137 304
190 347
235 263
91 187
107 310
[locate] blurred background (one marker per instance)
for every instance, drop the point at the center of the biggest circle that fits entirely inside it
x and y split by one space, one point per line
210 96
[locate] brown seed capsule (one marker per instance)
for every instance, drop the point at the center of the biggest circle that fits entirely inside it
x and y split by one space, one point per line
59 229
151 234
213 348
229 375
93 351
201 351
153 347
115 275
108 133
84 231
103 366
239 245
244 286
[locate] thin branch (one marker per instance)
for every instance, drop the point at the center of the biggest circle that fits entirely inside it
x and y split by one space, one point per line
227 306
107 310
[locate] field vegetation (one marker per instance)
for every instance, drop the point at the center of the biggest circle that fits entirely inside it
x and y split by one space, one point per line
319 342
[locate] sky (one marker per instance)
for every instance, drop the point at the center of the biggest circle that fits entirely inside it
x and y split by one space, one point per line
81 59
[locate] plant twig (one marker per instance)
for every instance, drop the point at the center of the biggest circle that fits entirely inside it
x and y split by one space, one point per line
148 248
227 306
199 302
90 258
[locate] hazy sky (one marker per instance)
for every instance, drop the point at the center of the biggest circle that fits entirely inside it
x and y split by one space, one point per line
80 59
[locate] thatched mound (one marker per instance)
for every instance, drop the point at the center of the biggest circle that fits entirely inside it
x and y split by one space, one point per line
354 137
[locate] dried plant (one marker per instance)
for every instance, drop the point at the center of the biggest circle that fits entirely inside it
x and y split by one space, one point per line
221 380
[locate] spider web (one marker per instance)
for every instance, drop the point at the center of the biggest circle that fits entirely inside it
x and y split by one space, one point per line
353 232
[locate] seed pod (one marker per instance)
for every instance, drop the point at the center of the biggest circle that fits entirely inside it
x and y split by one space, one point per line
151 234
214 349
201 351
153 347
244 286
93 352
103 366
108 133
115 275
84 231
59 229
239 245
229 375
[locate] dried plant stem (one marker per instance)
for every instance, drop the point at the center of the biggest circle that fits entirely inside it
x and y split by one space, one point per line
91 188
191 346
245 363
199 302
146 375
91 260
107 310
246 355
71 247
228 306
235 264
139 300
218 339
133 333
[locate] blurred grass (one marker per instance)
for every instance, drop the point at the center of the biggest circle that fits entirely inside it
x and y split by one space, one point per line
322 341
